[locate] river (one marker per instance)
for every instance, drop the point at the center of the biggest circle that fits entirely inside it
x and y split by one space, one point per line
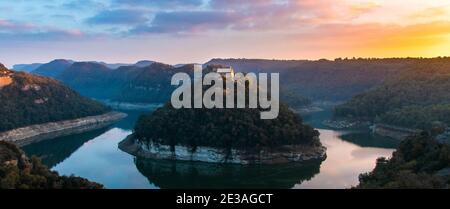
95 156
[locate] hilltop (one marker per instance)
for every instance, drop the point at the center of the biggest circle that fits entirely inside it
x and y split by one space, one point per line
27 99
236 135
416 98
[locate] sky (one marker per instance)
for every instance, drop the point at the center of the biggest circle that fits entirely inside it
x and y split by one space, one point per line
194 31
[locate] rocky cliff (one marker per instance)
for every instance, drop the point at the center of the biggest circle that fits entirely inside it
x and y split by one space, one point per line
34 133
284 154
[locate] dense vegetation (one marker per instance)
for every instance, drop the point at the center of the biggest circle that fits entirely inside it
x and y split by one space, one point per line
294 100
326 80
322 80
19 172
419 162
417 98
30 99
237 128
223 128
143 82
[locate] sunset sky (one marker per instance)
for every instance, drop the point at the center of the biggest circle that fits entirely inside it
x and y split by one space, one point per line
187 31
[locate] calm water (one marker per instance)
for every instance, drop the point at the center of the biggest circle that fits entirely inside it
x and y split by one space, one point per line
95 156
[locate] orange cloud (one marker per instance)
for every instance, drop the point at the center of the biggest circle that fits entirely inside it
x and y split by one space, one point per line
432 12
378 40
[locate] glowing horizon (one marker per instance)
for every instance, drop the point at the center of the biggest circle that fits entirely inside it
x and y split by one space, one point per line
195 31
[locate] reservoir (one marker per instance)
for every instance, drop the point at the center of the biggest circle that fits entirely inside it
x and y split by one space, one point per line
96 156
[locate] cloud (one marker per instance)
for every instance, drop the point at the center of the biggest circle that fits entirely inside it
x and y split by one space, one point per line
257 15
431 13
13 30
118 17
160 3
188 21
85 4
8 25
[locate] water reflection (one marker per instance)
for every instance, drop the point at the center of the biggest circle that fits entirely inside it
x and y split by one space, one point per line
57 150
193 175
368 139
345 161
95 156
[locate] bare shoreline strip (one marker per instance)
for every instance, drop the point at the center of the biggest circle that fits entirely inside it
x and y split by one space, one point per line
35 133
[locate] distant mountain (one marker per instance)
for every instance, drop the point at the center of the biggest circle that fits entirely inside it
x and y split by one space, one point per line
91 79
111 66
53 68
325 80
144 63
143 82
418 97
150 84
27 99
26 67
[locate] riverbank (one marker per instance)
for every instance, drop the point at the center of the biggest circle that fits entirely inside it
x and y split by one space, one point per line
345 124
395 132
125 106
285 154
35 133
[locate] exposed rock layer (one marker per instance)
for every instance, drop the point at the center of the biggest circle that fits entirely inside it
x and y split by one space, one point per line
31 134
285 154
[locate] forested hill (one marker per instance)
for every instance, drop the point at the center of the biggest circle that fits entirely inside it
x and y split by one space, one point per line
418 98
19 172
27 99
227 129
53 68
326 80
419 163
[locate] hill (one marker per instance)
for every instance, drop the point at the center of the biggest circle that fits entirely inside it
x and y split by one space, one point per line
420 162
326 80
225 129
26 67
416 98
27 99
19 172
53 68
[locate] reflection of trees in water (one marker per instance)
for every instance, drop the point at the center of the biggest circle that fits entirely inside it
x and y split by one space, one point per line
183 174
128 122
57 150
367 139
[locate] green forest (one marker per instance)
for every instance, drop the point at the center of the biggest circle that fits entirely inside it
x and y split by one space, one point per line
224 128
417 98
33 99
19 172
419 162
236 128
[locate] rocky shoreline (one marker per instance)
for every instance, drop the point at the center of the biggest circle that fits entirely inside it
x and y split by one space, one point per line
285 154
394 132
35 133
126 106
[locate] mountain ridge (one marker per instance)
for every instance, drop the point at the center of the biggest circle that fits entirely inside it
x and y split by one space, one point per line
28 99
